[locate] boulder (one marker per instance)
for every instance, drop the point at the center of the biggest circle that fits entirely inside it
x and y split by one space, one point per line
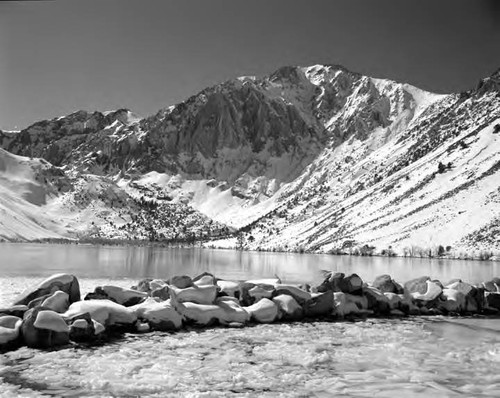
43 328
331 282
431 294
338 282
38 301
64 282
58 302
162 293
475 300
460 286
160 315
264 311
81 328
106 312
123 296
300 295
148 285
199 314
386 284
452 301
352 284
194 294
181 282
204 279
492 286
143 285
258 293
156 284
349 304
377 301
229 288
422 291
288 307
244 293
394 300
14 310
98 327
320 304
98 294
474 297
10 327
417 285
233 311
492 300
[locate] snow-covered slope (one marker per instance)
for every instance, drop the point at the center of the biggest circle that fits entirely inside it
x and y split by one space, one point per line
314 158
24 190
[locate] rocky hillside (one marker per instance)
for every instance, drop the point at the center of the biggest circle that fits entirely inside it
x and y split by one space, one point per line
317 158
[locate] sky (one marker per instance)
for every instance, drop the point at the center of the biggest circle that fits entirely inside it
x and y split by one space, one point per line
60 56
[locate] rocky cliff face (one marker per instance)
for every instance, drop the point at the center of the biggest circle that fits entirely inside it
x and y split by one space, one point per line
240 130
305 158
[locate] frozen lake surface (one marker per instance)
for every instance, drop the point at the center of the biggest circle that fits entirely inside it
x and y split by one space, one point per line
424 357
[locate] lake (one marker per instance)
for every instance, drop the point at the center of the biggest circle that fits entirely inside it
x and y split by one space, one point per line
136 262
411 357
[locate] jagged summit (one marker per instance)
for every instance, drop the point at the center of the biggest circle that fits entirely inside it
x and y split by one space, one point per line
490 83
305 158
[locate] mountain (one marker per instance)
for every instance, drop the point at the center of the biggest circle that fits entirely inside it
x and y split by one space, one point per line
317 158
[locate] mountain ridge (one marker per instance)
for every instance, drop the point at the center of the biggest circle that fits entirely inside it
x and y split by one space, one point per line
303 141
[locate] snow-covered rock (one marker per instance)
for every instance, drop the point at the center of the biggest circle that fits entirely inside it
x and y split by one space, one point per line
123 296
264 311
10 327
288 307
161 315
64 282
300 295
106 312
58 301
228 287
42 328
320 304
194 294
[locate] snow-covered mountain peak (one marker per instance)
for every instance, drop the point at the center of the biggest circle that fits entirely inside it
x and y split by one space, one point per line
310 157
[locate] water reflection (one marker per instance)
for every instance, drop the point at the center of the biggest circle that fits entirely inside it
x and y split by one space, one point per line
138 262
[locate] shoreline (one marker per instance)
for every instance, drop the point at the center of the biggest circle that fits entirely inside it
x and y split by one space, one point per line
494 256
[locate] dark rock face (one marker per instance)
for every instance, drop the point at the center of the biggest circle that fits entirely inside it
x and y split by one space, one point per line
493 300
181 282
125 297
289 309
377 302
143 285
82 328
54 140
417 285
320 305
162 293
9 331
98 294
64 282
15 310
386 284
244 295
44 333
338 282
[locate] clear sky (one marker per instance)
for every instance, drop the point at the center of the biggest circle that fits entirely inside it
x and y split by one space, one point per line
60 56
